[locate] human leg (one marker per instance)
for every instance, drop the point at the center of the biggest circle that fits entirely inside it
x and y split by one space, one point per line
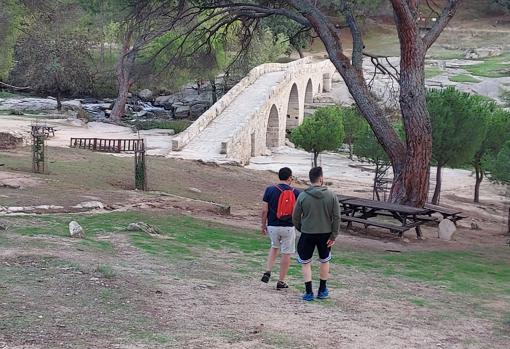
305 248
324 258
288 247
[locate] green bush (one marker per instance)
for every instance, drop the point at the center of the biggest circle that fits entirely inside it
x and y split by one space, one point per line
177 125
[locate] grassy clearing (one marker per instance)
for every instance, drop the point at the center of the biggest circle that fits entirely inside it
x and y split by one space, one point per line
445 54
492 67
460 272
177 125
463 78
431 72
464 272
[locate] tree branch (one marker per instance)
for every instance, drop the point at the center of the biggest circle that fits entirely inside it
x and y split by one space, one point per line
443 20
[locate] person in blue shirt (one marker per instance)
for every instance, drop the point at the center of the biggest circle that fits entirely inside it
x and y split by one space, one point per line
280 231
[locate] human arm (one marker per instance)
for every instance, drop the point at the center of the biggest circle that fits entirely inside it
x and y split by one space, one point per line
335 223
265 210
297 215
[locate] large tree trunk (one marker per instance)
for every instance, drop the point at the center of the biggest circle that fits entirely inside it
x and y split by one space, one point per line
124 80
315 157
479 173
478 182
410 161
437 190
59 100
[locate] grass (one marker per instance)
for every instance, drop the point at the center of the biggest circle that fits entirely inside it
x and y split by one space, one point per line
459 272
106 270
492 67
177 125
5 94
445 54
431 72
463 78
464 272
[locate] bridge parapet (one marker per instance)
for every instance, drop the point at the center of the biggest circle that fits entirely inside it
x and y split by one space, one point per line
239 146
212 113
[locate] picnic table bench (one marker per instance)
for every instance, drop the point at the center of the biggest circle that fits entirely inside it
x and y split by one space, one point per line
44 129
360 210
448 213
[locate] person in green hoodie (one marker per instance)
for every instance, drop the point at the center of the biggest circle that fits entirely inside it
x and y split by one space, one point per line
317 216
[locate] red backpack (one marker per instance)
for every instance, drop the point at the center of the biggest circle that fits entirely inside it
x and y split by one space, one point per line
286 203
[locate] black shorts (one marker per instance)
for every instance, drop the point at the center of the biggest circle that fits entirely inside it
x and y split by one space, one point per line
306 246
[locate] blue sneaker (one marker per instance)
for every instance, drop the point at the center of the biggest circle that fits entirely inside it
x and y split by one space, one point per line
308 297
323 294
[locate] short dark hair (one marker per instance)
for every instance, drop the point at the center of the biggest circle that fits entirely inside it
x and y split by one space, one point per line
284 173
314 174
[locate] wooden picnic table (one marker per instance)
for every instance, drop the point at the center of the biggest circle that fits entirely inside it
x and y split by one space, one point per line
360 210
448 213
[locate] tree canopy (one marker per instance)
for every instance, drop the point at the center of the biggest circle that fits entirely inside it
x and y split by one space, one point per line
458 128
320 132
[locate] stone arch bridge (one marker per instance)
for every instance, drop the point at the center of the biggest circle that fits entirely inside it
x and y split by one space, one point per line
255 115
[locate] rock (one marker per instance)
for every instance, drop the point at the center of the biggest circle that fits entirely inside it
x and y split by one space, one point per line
483 52
74 104
75 230
141 226
165 102
4 225
446 230
146 95
198 109
195 190
10 140
182 112
90 205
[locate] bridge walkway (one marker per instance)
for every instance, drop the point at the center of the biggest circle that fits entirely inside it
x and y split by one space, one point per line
207 144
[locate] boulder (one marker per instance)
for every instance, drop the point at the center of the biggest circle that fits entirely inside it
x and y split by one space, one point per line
165 102
141 226
93 205
146 95
446 230
182 112
483 52
198 109
76 122
4 225
474 225
74 104
75 230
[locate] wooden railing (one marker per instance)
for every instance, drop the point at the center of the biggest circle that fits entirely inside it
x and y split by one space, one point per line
108 145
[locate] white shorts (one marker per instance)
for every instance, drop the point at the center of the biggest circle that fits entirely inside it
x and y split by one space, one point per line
283 238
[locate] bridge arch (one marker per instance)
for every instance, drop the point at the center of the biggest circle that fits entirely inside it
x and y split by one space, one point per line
309 92
293 108
273 128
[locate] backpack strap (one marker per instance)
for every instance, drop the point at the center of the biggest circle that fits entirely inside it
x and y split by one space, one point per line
281 190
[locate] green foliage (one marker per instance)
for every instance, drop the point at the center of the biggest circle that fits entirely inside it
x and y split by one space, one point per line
293 31
10 19
503 3
52 55
177 125
367 148
500 165
5 94
353 124
458 125
505 97
322 131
